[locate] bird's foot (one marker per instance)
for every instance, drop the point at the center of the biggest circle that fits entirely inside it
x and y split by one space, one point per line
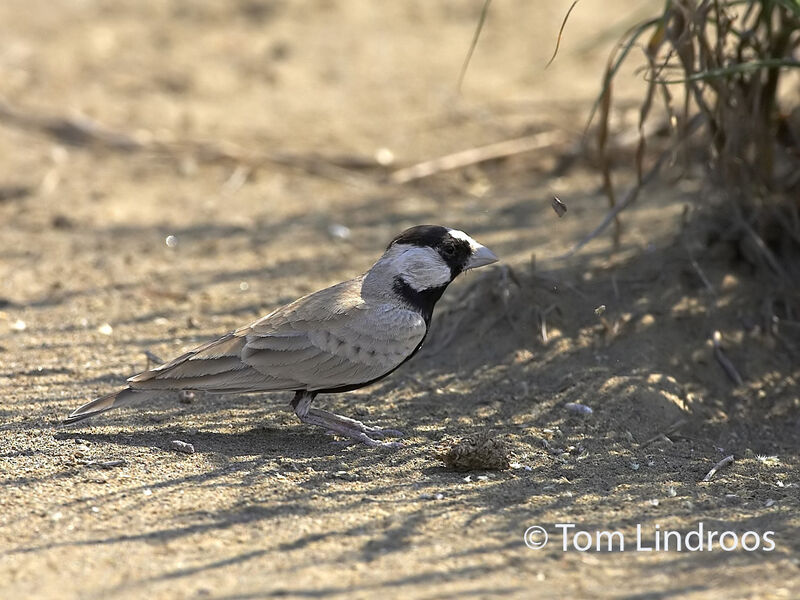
350 428
378 432
349 423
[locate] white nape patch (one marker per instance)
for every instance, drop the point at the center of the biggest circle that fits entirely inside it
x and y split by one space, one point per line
460 235
421 267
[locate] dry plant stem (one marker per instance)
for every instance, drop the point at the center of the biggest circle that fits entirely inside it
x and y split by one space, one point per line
720 465
77 131
473 156
84 132
632 194
724 361
560 33
697 269
663 434
762 248
474 43
732 57
605 161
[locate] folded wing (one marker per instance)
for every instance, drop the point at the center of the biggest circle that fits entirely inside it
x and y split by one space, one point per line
327 340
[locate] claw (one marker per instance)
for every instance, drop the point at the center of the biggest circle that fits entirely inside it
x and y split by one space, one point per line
384 432
357 437
376 444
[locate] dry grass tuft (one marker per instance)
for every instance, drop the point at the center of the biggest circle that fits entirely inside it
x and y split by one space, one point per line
727 75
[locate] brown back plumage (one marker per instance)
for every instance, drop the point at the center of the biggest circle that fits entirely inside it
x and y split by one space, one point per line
329 339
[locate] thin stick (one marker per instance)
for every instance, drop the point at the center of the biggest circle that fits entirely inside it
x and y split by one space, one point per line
663 434
762 247
724 361
696 266
76 131
473 156
720 465
85 132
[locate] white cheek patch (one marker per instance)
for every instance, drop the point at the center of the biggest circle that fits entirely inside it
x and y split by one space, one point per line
422 268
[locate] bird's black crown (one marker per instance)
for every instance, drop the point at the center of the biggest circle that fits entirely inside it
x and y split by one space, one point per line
454 251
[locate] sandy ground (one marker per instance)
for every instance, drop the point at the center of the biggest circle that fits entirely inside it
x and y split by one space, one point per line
256 126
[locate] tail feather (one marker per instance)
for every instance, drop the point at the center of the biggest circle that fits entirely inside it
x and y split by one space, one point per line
103 404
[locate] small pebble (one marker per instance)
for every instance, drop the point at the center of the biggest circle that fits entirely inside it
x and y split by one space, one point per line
340 232
578 409
105 329
384 157
19 325
431 496
62 222
180 446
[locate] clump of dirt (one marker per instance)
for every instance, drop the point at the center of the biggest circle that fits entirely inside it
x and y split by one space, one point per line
479 452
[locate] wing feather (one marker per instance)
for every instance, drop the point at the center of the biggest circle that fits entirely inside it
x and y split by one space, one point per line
329 339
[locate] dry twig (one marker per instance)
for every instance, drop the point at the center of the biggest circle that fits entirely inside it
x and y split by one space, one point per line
85 132
724 361
720 465
663 435
473 156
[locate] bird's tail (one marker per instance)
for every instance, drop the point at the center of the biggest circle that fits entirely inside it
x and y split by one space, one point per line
104 403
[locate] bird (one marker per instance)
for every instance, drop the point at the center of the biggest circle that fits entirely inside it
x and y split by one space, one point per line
335 340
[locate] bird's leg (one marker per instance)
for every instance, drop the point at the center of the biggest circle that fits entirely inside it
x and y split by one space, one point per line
342 425
302 402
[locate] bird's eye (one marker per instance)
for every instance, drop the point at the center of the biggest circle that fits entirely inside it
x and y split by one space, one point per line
448 250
